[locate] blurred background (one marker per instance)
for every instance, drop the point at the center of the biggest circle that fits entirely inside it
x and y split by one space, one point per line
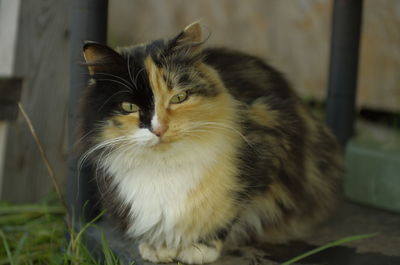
293 36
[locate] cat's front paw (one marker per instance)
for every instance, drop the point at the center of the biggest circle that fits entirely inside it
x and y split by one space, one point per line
200 253
157 255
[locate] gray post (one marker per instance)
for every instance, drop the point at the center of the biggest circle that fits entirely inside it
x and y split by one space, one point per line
346 25
88 22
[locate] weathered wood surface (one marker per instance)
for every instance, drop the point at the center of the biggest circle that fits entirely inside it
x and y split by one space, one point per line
379 83
10 89
8 111
9 14
10 93
42 60
292 35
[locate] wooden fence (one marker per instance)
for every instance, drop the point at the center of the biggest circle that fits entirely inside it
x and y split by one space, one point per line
38 54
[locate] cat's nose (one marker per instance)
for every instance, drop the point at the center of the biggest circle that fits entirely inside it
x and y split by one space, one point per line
160 130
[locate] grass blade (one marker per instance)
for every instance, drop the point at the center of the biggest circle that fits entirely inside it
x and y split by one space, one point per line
87 225
7 248
329 245
45 159
19 247
39 209
108 255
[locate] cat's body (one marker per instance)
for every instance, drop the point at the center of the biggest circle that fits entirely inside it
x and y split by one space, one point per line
214 146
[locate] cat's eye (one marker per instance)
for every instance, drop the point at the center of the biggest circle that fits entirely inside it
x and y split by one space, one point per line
129 107
179 98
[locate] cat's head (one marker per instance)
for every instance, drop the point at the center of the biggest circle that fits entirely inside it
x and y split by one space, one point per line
154 95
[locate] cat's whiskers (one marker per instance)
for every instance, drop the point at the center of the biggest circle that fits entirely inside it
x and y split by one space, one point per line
111 146
83 137
84 157
104 159
97 180
109 98
190 131
76 143
118 82
97 147
150 98
130 149
137 76
193 133
130 73
227 127
116 76
99 164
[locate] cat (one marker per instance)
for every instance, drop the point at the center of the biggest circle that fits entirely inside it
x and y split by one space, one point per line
195 148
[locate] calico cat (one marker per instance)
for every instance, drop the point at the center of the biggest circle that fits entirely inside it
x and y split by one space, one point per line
195 147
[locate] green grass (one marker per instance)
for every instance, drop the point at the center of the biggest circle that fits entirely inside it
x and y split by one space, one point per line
31 234
329 245
35 234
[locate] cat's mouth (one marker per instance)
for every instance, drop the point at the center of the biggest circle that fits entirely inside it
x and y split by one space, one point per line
160 143
144 137
150 142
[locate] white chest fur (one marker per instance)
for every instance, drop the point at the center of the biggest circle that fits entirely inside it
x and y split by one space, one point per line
156 186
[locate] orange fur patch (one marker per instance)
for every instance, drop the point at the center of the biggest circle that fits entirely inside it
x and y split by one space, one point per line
120 125
263 115
211 205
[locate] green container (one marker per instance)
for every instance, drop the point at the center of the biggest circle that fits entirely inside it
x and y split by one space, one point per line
373 172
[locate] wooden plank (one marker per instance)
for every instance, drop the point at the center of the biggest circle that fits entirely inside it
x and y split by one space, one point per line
9 10
10 93
42 60
3 137
10 89
9 14
8 111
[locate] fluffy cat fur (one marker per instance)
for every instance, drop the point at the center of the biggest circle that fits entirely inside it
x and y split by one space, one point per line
238 159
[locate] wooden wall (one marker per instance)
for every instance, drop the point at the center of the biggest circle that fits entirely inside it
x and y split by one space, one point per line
41 58
9 17
292 35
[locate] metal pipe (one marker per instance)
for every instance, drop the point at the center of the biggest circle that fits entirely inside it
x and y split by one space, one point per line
346 26
88 22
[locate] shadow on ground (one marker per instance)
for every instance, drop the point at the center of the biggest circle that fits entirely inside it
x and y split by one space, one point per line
340 255
351 219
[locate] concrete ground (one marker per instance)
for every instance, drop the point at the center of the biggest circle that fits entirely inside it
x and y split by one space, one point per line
350 219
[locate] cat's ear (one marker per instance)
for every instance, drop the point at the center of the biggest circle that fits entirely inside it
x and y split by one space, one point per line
192 33
100 58
190 37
